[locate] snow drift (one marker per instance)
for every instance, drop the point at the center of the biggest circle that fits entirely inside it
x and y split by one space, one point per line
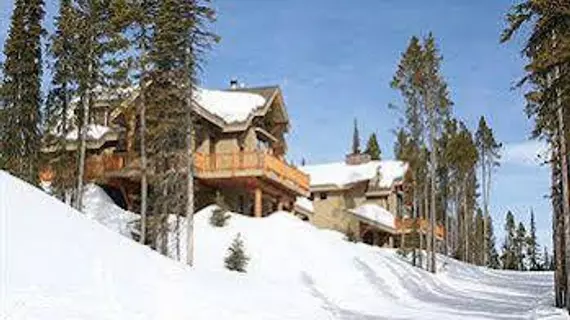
57 264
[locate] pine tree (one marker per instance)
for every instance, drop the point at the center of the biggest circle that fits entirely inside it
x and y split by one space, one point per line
427 101
546 48
142 20
509 254
236 258
372 147
533 247
355 139
220 214
59 118
21 91
479 239
93 38
489 152
545 265
521 247
493 256
179 41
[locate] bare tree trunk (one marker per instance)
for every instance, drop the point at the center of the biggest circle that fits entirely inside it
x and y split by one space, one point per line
82 148
565 204
558 232
420 232
466 222
415 217
426 216
484 186
189 164
432 184
144 182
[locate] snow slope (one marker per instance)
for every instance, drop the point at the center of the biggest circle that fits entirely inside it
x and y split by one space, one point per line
100 207
56 264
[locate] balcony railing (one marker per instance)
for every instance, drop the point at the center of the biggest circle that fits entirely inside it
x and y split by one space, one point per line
250 163
408 225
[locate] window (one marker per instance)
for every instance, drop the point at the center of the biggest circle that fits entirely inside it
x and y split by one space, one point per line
323 195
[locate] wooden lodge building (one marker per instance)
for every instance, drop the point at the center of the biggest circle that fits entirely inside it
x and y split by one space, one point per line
365 198
240 151
240 154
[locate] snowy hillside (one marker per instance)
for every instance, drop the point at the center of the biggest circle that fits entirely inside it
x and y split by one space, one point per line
58 264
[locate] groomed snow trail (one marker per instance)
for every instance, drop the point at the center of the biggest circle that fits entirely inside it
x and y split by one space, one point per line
58 264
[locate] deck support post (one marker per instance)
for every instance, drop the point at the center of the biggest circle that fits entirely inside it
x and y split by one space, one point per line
258 203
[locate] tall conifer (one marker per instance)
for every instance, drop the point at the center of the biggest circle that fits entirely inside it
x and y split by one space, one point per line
21 91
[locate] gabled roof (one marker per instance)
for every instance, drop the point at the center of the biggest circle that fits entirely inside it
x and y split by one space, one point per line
234 109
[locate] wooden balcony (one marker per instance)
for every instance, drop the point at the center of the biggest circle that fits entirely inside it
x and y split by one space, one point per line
96 166
247 164
406 225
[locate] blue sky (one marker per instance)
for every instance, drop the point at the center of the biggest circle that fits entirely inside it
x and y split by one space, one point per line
334 61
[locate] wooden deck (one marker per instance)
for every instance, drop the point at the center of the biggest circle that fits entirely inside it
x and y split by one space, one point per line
248 164
407 226
207 167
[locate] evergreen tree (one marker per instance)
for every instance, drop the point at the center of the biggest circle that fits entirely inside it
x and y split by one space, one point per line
493 256
21 91
179 41
546 47
220 214
59 118
478 239
372 147
545 265
236 258
533 248
489 153
355 139
521 247
509 255
427 102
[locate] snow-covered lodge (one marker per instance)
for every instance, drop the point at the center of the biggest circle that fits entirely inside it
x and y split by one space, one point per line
240 153
363 197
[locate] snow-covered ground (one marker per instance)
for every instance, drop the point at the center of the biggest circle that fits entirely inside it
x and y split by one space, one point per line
58 264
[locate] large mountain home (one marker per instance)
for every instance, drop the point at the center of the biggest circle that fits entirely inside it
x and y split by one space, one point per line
362 197
240 151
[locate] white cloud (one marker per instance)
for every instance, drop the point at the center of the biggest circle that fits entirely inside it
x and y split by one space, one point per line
527 153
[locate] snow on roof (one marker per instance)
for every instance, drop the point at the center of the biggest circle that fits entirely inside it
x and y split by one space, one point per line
94 132
304 203
377 214
231 106
342 174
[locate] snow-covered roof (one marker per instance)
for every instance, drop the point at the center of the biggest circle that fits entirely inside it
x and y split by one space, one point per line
376 214
305 204
231 106
94 132
341 174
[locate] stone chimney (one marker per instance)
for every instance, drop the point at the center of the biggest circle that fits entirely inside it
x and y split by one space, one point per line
358 158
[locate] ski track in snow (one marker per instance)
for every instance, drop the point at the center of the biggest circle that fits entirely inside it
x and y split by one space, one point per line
61 264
